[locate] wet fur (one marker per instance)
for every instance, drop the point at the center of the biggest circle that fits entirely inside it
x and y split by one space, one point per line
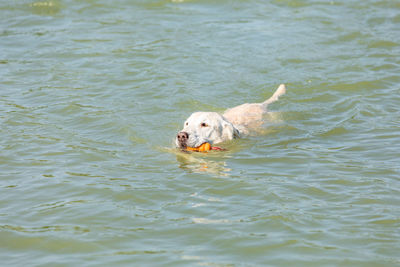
235 122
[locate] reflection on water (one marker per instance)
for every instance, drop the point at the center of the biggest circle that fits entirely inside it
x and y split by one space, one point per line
48 8
191 162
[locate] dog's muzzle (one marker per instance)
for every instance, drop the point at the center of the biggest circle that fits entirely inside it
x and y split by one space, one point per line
182 139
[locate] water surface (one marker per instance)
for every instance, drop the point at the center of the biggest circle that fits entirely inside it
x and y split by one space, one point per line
92 94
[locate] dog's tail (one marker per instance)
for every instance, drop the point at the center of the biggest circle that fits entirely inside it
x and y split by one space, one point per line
280 91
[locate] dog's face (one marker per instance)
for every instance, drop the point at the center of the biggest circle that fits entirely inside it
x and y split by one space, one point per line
203 127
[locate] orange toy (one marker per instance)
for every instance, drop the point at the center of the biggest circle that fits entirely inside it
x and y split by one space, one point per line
204 147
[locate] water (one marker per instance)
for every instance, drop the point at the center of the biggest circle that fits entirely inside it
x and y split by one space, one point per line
92 94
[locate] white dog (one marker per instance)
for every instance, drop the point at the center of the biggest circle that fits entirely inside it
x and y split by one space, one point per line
213 128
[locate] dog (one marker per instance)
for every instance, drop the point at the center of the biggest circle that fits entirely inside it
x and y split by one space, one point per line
214 128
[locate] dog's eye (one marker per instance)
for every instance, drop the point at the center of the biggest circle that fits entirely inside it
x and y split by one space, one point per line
204 124
186 123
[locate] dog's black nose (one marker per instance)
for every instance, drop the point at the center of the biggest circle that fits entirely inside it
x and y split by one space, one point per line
182 137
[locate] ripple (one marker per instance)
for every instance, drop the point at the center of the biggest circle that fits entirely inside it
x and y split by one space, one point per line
94 92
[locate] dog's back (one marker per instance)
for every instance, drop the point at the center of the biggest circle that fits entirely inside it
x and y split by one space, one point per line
251 115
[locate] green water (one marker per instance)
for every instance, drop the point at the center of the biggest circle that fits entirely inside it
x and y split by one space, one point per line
92 94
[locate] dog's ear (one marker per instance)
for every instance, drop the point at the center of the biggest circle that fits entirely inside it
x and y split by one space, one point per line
229 131
236 133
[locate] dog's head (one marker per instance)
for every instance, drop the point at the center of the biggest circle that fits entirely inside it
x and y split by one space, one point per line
203 127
